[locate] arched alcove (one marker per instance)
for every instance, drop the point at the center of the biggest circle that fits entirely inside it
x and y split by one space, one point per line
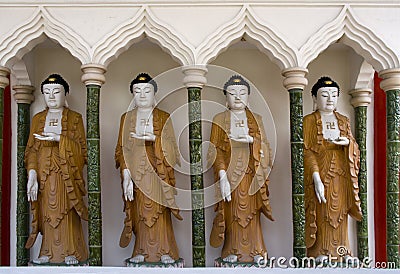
45 58
149 57
244 57
350 70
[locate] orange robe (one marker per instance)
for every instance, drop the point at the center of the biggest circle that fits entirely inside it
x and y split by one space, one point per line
59 208
237 223
151 164
326 223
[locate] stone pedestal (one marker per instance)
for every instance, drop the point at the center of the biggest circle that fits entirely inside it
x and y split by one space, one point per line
180 263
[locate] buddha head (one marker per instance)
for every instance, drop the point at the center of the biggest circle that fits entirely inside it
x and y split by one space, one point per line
54 89
325 94
143 88
237 92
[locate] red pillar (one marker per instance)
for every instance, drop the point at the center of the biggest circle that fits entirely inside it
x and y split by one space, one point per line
379 171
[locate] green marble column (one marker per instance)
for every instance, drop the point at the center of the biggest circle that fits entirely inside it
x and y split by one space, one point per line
22 179
93 175
393 168
391 85
23 96
196 177
93 78
296 145
361 137
295 83
194 81
360 100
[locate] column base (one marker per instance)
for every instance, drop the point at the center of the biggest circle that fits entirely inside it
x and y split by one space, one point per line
180 263
83 263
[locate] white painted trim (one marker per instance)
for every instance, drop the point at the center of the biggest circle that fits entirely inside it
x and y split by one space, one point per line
27 35
347 29
245 23
143 24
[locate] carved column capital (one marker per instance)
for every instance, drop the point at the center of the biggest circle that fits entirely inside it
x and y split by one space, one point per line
4 72
194 76
24 94
390 79
360 97
93 74
295 78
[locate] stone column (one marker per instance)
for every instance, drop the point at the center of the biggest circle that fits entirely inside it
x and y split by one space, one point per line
391 85
194 81
295 82
24 97
360 100
93 78
4 82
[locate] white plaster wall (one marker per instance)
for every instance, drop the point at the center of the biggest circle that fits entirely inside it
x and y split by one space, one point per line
115 98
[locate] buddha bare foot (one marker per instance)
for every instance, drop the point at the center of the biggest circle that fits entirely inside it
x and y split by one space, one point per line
321 259
71 260
166 259
41 260
258 259
230 258
348 259
137 259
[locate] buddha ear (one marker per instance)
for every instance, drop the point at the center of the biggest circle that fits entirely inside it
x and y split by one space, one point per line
314 103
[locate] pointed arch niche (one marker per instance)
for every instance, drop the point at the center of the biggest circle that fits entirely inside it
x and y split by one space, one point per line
350 70
38 59
143 56
247 57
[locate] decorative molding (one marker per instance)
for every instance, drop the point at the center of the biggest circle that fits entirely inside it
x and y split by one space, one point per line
365 77
93 74
4 72
360 97
347 29
194 76
32 32
24 94
247 24
144 24
295 78
21 73
390 79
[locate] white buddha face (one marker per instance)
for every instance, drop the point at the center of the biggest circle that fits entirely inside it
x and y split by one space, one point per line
237 97
326 99
144 95
54 96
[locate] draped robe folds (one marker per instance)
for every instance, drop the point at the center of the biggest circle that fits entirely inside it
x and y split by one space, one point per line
338 166
59 207
237 223
151 164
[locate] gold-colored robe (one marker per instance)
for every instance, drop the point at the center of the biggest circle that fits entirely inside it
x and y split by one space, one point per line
237 223
59 207
151 164
338 166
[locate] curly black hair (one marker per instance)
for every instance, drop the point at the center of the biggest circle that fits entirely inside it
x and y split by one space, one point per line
236 80
55 79
324 81
143 78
